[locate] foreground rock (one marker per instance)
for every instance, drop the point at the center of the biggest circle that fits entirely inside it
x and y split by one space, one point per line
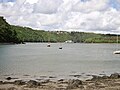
115 76
72 84
111 82
32 84
8 78
19 82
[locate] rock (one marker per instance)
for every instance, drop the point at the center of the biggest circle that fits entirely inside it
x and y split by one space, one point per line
75 81
33 84
26 75
115 76
60 88
1 82
43 76
8 78
7 82
12 88
96 77
46 81
72 84
99 77
52 77
105 77
99 85
39 79
81 87
60 80
19 82
78 76
88 75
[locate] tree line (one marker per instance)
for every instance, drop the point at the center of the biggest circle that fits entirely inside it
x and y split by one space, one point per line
18 34
7 34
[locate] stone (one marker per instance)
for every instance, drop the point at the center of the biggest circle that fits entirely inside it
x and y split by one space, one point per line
60 80
74 83
46 81
105 77
33 84
96 77
52 77
78 76
8 78
12 88
115 76
1 82
19 82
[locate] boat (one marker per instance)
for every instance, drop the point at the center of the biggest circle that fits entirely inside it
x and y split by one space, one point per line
69 41
48 45
117 51
60 47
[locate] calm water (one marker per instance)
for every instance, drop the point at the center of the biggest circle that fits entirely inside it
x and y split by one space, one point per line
37 59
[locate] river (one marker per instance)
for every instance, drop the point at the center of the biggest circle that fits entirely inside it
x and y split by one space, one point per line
36 59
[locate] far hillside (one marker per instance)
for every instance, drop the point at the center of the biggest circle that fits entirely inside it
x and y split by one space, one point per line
30 35
17 34
7 34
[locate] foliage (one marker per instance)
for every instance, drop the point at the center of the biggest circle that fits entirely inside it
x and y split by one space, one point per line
7 35
18 34
29 35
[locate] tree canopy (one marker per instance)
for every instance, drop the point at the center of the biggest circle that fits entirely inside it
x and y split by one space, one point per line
7 34
17 34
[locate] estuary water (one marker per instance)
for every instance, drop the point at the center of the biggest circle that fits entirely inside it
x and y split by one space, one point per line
36 59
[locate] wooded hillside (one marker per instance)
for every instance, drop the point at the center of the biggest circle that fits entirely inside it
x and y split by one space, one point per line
18 34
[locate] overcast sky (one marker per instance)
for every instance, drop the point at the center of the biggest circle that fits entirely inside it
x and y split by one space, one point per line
99 16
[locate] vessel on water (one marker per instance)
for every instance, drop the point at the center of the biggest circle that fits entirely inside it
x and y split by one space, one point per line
117 51
48 45
60 47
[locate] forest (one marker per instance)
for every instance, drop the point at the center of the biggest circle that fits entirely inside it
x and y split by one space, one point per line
18 34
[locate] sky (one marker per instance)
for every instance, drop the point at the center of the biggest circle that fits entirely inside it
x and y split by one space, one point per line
98 16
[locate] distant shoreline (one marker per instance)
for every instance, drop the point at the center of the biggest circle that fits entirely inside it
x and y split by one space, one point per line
53 42
10 43
7 43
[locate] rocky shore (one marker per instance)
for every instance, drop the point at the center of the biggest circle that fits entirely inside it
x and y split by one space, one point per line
104 82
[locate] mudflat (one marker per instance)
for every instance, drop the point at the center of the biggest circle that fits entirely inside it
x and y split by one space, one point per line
104 82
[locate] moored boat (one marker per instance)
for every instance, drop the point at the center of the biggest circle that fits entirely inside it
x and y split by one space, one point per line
48 45
117 52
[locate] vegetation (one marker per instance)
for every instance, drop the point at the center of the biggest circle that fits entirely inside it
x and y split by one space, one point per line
7 34
18 34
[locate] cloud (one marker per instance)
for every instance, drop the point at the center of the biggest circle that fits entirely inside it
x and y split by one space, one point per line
95 21
47 6
90 5
32 1
99 16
